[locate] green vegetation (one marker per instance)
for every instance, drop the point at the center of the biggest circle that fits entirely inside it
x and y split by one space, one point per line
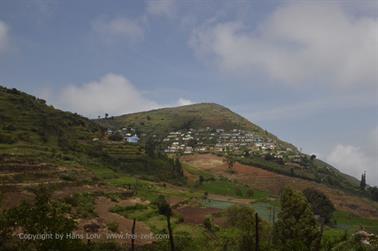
296 228
113 226
227 187
162 121
320 204
351 222
44 216
138 212
84 203
32 133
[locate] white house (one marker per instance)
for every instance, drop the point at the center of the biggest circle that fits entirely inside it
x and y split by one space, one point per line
133 139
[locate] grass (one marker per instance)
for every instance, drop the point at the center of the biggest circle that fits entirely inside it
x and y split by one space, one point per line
113 226
84 203
346 220
197 171
123 181
138 212
102 172
227 187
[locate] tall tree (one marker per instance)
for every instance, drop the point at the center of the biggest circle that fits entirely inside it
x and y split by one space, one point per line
229 159
243 219
363 181
165 209
296 228
320 204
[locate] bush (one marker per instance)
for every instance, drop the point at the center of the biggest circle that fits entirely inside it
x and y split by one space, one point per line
113 226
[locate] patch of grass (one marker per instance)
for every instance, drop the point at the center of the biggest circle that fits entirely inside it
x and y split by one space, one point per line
229 188
139 212
124 181
113 226
346 220
157 223
197 171
84 203
102 172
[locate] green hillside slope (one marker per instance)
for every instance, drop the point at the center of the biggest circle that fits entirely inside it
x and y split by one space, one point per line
40 144
162 121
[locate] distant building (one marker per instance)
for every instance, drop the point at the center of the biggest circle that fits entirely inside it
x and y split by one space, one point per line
133 139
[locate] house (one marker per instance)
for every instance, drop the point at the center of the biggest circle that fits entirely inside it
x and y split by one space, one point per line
188 150
133 139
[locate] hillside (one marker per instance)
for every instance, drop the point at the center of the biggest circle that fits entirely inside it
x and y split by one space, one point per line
162 121
40 144
27 119
206 126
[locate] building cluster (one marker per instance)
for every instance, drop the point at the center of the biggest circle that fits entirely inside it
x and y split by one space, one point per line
212 140
216 140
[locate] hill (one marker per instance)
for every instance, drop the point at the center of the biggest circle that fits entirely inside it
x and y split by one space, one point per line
162 121
40 144
207 126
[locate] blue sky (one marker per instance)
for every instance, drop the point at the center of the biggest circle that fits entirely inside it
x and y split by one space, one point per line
304 70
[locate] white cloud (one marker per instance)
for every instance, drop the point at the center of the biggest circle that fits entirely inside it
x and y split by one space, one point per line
161 7
4 35
128 29
301 42
354 160
183 101
112 94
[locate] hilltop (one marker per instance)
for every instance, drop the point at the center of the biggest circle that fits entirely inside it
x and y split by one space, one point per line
196 116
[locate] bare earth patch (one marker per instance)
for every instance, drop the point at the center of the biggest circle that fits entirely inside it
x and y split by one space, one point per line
196 215
265 180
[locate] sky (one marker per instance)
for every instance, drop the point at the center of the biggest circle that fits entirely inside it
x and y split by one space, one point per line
307 71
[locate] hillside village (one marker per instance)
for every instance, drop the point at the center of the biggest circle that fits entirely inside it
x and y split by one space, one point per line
212 140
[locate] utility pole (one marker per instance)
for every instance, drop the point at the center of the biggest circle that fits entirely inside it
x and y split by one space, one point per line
132 236
257 232
170 233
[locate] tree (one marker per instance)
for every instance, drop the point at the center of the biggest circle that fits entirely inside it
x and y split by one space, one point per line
244 220
116 137
150 147
106 115
320 204
44 216
177 168
313 156
374 193
165 209
200 180
229 160
296 228
363 181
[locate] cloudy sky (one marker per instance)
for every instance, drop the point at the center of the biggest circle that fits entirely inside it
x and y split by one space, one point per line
304 70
